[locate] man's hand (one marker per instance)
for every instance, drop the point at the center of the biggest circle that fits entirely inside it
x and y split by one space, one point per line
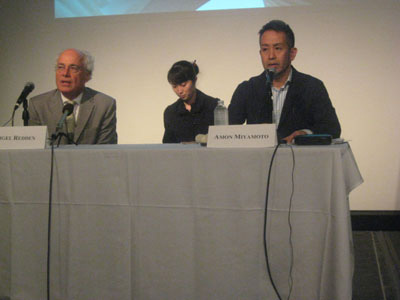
290 138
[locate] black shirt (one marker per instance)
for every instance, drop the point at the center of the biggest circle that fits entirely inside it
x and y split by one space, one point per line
182 125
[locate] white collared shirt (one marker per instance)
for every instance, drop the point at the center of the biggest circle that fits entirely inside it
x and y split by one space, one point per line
278 99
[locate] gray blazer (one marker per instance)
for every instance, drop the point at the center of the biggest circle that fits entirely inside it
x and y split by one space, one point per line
96 123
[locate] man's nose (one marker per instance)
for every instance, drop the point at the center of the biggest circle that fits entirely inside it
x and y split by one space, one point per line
271 54
66 72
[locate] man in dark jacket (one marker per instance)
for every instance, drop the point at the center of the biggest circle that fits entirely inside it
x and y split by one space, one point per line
297 103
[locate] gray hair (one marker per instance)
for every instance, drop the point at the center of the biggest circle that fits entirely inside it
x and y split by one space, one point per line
88 61
87 58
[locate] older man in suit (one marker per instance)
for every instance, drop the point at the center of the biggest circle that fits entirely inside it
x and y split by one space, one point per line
297 103
94 115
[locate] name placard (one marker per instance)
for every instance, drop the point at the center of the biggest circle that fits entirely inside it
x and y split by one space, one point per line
242 136
23 137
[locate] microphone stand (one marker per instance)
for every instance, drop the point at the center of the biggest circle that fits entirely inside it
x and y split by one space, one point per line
269 100
58 135
270 79
269 91
54 137
25 113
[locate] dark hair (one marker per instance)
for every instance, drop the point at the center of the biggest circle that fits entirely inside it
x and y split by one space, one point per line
182 71
279 26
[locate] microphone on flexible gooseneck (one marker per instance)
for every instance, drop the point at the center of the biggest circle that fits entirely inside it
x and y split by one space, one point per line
270 76
67 110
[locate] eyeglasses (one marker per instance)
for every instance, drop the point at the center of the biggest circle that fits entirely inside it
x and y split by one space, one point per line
72 68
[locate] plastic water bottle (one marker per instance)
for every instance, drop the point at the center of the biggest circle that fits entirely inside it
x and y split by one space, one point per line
221 114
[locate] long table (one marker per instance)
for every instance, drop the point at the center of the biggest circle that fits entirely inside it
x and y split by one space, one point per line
177 222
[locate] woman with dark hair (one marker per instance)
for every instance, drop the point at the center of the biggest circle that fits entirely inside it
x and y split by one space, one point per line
193 112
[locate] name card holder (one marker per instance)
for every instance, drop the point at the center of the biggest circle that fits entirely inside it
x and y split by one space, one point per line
23 137
242 136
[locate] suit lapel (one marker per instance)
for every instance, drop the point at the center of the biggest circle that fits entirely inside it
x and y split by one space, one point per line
85 110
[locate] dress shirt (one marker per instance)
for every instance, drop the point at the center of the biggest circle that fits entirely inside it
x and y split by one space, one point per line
278 98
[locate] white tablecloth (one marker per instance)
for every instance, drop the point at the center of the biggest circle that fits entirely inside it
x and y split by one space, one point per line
176 222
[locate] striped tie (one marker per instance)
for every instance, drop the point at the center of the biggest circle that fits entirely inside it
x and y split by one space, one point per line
70 122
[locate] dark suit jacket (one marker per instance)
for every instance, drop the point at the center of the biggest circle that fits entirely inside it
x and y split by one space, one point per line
307 106
96 123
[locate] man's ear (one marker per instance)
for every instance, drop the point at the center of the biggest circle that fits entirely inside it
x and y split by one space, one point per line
88 76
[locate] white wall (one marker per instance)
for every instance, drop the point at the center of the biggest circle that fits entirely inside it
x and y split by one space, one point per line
353 48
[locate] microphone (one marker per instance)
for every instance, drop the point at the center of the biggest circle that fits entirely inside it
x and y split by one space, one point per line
67 110
29 86
270 75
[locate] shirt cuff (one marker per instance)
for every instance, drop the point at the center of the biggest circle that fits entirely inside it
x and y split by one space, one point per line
308 131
